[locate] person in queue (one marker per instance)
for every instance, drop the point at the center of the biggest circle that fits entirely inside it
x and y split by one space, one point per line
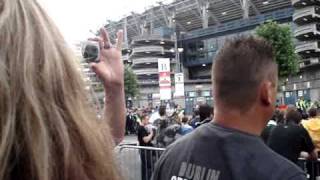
290 139
49 131
145 137
185 127
245 87
312 125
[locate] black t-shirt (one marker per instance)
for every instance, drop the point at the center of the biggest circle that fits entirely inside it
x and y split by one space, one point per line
142 132
213 152
266 132
290 140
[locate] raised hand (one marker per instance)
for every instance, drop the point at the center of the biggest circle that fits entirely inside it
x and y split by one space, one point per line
110 67
111 72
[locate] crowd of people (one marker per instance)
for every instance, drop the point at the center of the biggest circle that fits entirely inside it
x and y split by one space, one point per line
49 130
291 132
161 127
168 123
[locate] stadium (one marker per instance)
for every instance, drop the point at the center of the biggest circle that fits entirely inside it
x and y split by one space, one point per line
189 33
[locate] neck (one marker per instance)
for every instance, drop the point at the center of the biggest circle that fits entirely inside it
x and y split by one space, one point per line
246 122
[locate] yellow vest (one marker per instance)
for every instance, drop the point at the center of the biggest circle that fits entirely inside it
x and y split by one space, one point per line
313 127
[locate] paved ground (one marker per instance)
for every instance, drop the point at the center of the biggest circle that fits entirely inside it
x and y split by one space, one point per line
131 139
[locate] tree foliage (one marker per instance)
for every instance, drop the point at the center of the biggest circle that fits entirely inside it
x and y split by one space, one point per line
280 36
130 82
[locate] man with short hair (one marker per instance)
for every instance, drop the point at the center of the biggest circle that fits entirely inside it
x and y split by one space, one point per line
205 113
229 148
145 136
161 125
290 139
185 127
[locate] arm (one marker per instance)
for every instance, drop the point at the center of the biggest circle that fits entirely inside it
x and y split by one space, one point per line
313 155
111 72
115 112
308 145
148 138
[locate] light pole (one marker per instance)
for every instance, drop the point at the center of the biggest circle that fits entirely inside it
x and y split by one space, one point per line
180 50
177 51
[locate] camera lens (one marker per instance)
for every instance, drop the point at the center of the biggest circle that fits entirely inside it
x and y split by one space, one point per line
85 55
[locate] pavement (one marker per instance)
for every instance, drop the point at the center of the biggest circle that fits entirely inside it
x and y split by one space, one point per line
130 139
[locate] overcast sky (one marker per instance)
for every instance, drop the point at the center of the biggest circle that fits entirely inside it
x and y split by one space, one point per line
76 18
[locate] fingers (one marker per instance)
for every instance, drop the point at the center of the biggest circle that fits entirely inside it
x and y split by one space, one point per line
104 40
94 67
119 40
105 37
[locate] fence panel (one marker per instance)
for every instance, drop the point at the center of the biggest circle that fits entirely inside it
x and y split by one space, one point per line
138 162
311 168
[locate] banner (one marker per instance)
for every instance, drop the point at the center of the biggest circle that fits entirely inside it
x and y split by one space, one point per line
179 85
164 78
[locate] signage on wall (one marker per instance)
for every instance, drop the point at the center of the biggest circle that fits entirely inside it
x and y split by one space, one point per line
179 85
164 78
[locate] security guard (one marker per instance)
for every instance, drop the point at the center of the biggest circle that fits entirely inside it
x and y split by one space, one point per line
301 104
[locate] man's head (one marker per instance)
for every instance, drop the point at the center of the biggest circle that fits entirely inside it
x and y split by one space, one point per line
145 119
245 77
293 116
205 111
279 116
313 112
185 120
162 110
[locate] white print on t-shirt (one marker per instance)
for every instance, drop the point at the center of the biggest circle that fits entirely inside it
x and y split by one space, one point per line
191 171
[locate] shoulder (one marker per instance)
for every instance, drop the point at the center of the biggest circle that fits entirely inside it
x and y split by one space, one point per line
281 167
302 130
170 157
184 144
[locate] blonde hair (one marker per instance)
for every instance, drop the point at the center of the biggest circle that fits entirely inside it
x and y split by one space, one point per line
48 130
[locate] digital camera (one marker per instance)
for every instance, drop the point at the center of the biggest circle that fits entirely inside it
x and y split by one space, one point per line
91 51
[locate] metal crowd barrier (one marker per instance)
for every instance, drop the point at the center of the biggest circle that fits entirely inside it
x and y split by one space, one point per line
137 162
311 168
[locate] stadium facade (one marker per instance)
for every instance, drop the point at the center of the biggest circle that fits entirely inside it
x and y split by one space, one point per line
190 32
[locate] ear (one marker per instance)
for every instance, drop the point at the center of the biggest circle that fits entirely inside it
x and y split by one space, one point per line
266 93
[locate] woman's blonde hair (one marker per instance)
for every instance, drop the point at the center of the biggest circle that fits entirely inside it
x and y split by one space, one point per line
48 130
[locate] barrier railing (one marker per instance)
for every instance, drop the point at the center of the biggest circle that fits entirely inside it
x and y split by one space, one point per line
138 162
311 168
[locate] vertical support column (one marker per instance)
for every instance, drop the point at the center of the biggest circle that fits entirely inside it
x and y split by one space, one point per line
245 7
125 32
143 28
171 24
177 69
205 17
151 27
205 23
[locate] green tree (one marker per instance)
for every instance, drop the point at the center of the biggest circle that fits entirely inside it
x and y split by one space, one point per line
281 38
130 82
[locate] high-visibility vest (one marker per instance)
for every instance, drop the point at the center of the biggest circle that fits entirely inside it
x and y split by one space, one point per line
301 104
